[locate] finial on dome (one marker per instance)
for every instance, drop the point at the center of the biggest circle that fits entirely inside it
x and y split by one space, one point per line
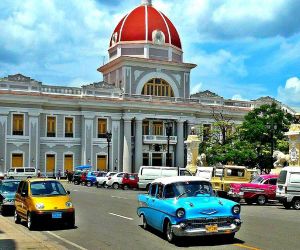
147 2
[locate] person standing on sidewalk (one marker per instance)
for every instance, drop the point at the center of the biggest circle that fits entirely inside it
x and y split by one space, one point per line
58 174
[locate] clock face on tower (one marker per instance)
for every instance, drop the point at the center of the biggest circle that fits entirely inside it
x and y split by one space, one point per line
158 37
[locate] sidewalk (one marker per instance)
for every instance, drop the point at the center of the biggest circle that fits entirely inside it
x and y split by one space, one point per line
14 236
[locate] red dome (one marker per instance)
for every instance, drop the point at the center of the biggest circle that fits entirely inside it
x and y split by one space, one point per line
139 25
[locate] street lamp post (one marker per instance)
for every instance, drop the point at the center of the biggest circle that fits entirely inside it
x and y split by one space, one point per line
108 139
271 127
169 133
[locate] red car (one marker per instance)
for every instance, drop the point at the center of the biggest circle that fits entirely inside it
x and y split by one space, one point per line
129 181
259 190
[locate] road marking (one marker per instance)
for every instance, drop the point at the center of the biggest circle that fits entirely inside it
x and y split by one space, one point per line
127 218
247 247
66 241
119 197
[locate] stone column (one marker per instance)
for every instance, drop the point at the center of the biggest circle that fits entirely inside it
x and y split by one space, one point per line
87 139
3 133
34 140
127 153
116 144
138 144
180 145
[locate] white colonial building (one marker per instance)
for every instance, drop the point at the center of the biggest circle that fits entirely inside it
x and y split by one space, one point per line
146 87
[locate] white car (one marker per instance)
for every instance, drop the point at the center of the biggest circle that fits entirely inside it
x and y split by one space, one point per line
102 180
115 181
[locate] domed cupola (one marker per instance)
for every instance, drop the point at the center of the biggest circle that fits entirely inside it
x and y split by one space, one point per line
146 32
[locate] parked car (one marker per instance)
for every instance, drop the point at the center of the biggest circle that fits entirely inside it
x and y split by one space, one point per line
115 180
129 181
186 206
259 190
147 174
91 178
41 200
20 173
225 175
8 190
288 187
77 177
101 180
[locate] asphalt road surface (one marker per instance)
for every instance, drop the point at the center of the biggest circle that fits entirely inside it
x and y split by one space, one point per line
107 219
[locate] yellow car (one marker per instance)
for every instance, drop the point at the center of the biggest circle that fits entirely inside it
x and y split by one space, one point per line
41 200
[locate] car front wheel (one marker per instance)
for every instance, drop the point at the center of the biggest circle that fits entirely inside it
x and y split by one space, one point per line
144 222
287 205
296 204
17 218
89 183
30 222
169 232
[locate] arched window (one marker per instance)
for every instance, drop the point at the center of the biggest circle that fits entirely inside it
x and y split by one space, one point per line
158 87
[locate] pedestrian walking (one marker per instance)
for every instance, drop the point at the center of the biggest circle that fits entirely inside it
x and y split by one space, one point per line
58 174
39 173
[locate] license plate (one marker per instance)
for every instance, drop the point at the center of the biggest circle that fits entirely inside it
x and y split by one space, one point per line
57 215
211 228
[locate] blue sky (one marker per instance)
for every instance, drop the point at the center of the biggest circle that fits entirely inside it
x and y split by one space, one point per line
243 49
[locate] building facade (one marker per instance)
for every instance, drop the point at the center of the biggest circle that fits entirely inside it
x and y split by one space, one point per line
145 90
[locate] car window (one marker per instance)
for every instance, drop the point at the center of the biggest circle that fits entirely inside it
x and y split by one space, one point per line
169 191
153 190
47 188
132 177
20 170
266 182
11 170
9 186
235 172
192 188
185 173
30 170
273 181
282 177
257 180
218 172
295 178
159 191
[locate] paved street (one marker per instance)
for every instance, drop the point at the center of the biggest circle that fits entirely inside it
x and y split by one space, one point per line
106 219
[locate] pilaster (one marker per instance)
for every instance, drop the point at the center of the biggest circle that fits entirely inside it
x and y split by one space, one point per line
138 156
34 140
87 139
3 133
180 144
127 152
115 160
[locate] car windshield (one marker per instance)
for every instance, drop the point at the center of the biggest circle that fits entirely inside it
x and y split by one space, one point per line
47 188
9 187
258 179
188 189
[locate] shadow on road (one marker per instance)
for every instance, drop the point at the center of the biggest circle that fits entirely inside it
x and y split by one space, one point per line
212 240
50 226
8 244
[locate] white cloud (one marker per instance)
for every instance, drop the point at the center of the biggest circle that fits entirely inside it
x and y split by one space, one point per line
290 93
238 97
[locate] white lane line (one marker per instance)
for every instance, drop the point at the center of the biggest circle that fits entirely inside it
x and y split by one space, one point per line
66 241
127 218
119 197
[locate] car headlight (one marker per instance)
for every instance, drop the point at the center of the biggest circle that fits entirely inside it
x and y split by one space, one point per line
39 206
236 209
180 212
69 204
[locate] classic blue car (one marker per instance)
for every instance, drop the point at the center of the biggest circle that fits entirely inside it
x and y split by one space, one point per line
187 206
8 189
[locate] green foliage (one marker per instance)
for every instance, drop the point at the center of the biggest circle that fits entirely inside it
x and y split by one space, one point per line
251 143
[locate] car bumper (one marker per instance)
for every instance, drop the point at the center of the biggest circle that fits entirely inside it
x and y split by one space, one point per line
66 215
179 230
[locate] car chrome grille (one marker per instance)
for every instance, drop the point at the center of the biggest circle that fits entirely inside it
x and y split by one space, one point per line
202 222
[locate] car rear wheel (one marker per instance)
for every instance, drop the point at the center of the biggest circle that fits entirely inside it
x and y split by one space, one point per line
89 183
104 184
30 222
144 222
115 185
125 187
76 183
296 203
169 232
261 200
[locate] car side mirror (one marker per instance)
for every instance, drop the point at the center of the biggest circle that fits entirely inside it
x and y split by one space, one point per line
24 194
68 192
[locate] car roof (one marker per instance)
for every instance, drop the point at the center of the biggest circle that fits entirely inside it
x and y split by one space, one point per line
267 176
231 166
10 180
174 179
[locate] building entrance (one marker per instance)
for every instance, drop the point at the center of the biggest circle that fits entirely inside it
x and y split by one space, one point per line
157 159
101 162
